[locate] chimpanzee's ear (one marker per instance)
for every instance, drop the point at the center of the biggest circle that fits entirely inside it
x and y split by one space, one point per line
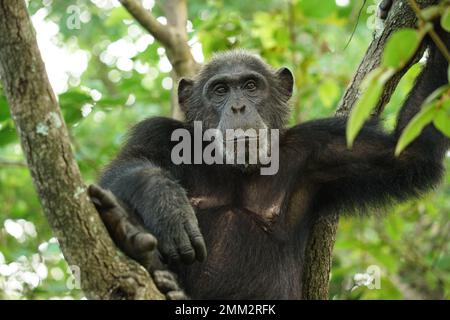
286 80
184 91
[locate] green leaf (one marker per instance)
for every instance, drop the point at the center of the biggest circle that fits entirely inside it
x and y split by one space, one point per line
445 20
400 47
116 16
372 87
436 94
74 98
442 119
4 110
415 127
431 12
8 133
361 111
71 103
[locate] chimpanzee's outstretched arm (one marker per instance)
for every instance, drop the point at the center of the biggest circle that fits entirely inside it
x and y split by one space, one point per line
369 174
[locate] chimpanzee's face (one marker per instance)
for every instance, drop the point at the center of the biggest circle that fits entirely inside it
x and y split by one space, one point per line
238 98
241 96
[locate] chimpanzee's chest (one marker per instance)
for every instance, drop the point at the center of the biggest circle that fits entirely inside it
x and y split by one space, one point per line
262 204
252 252
269 202
243 262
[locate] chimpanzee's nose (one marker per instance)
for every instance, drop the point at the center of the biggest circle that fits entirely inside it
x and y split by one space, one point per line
239 108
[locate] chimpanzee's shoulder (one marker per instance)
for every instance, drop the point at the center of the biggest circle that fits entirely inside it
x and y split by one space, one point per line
154 130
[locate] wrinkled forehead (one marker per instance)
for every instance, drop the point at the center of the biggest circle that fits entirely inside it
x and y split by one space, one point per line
224 66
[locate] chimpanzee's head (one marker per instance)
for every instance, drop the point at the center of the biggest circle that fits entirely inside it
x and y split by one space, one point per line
237 90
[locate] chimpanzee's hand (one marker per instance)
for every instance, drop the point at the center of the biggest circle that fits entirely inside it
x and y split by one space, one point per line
131 237
173 223
127 233
169 216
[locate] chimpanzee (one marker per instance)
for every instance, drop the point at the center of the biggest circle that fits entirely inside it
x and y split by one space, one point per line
254 226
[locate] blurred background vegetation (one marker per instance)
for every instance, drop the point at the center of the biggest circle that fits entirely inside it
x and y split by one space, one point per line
110 73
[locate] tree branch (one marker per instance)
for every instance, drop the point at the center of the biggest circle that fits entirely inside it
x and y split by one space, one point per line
400 16
172 37
105 272
176 13
161 32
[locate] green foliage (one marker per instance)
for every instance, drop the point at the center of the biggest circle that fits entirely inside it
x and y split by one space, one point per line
372 87
430 12
442 118
329 92
70 103
311 9
434 109
4 111
7 131
415 127
445 20
410 246
399 50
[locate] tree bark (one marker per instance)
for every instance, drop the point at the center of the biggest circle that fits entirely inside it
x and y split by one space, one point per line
105 273
320 244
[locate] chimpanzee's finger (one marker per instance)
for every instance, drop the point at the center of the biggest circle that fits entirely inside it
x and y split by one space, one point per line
102 198
169 251
176 295
143 242
196 238
185 249
165 281
133 240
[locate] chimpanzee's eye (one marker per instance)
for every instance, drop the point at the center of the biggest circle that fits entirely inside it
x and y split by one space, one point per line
220 89
250 85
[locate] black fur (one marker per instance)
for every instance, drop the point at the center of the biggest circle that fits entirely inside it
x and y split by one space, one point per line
254 226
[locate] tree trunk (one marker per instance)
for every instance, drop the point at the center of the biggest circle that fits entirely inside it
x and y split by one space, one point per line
105 273
320 244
